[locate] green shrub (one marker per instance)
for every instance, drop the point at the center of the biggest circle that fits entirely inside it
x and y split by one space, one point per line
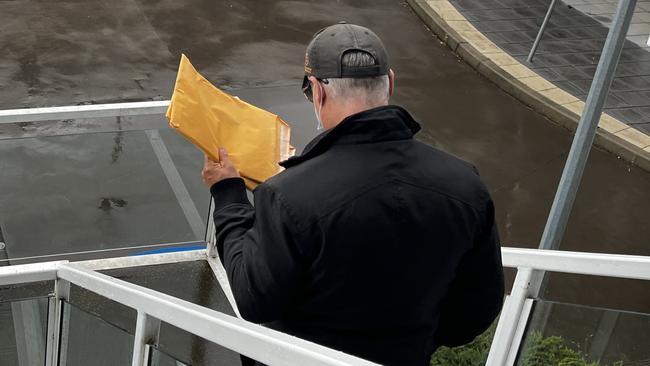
538 351
471 354
552 350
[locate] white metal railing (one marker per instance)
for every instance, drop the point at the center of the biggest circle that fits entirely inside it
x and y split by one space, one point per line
530 265
84 111
272 347
252 340
249 339
594 264
276 348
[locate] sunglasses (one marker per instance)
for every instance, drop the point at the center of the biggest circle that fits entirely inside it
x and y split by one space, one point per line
306 87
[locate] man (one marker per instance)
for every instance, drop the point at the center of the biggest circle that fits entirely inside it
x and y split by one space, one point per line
370 242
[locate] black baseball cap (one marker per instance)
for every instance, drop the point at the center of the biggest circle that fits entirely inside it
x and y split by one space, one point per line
326 49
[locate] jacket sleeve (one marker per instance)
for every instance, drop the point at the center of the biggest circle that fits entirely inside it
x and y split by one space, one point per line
257 249
475 296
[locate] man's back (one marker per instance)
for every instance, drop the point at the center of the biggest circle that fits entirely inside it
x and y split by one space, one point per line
391 245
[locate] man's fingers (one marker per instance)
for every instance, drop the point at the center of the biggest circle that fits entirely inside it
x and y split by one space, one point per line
223 156
208 162
214 172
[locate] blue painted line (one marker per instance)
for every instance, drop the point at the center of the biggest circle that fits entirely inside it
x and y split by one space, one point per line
168 250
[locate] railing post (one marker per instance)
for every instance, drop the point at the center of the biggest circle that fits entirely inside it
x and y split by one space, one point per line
541 31
56 321
210 233
51 338
519 332
215 263
147 330
510 319
574 167
584 137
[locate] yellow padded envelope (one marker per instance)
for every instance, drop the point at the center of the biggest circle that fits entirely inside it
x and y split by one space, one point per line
256 140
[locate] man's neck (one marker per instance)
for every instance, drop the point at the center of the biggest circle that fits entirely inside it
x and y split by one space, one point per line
348 109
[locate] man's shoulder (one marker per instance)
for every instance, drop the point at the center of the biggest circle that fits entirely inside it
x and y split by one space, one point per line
291 184
452 175
451 161
331 175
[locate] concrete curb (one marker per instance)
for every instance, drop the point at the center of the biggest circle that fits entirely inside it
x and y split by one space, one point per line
524 84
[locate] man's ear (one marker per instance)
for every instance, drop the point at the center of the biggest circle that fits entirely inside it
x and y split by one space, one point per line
391 82
318 91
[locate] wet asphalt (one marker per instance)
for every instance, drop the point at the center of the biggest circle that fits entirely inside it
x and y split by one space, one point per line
65 190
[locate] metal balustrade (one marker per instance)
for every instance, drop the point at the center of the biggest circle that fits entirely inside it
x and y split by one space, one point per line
84 111
275 348
249 339
269 346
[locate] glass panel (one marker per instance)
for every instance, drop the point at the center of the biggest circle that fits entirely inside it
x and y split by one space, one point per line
109 311
26 291
106 186
159 358
567 334
189 281
23 329
104 190
194 350
93 341
601 292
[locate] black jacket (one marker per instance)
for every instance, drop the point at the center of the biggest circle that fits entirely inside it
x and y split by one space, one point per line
370 242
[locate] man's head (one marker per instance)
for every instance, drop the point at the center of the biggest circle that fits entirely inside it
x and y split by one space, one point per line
346 72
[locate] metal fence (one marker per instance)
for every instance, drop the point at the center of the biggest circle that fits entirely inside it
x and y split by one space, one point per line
254 341
269 346
275 348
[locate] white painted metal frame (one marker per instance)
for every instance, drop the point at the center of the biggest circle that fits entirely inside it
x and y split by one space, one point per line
274 348
215 263
252 340
26 273
249 339
83 111
593 264
530 264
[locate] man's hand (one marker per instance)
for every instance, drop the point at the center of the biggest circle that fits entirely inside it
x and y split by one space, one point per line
214 172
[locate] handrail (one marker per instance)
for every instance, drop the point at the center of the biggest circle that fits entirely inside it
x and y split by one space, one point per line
275 348
144 260
586 263
26 273
252 340
593 264
83 111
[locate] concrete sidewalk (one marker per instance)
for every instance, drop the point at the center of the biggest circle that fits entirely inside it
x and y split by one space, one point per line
495 36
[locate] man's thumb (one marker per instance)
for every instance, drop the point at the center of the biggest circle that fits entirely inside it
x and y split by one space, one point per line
223 156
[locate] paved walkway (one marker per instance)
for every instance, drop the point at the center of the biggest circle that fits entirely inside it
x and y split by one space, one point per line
570 49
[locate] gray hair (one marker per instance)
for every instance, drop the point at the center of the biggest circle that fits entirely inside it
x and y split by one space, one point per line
372 91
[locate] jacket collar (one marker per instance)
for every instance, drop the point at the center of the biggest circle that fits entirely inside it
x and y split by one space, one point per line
386 123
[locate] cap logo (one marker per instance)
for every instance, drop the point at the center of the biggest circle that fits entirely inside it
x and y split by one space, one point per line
307 68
